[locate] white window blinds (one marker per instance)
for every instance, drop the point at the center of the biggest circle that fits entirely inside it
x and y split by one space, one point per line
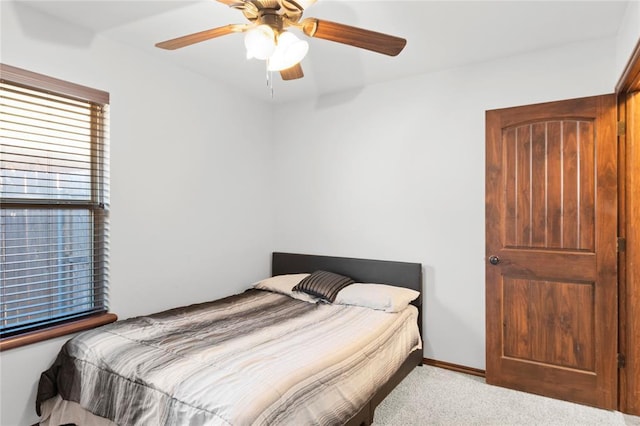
54 200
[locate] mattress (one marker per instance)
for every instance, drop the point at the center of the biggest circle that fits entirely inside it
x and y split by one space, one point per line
257 358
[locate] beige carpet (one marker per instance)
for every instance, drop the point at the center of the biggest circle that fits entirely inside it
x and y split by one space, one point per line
434 396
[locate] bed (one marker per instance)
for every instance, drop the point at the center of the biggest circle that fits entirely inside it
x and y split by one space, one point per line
266 356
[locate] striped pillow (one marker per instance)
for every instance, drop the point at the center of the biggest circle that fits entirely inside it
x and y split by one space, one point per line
323 284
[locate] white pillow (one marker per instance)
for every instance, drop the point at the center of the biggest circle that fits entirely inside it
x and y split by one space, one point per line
382 297
284 284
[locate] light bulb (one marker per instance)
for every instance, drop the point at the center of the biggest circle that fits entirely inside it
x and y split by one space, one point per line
260 42
289 51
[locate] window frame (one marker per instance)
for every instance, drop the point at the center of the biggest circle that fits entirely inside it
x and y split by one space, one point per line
43 83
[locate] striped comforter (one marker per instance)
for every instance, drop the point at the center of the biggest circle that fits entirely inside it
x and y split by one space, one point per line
254 358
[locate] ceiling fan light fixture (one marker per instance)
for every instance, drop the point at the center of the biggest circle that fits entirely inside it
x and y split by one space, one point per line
260 42
289 51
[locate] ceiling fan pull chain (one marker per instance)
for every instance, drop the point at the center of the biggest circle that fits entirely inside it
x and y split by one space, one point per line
269 79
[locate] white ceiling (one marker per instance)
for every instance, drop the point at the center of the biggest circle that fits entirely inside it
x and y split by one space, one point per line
440 34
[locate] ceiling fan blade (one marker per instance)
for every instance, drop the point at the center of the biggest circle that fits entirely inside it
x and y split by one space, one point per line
292 73
353 36
190 39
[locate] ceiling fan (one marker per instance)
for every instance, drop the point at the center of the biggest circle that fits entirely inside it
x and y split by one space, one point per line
267 37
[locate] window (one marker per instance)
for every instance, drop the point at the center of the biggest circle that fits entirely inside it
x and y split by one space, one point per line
54 200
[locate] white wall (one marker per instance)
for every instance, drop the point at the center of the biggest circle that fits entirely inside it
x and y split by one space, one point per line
191 209
628 36
396 171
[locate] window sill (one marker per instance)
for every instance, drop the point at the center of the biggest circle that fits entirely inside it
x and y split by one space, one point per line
57 331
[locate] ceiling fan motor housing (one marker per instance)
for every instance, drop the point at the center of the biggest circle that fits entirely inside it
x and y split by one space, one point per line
271 18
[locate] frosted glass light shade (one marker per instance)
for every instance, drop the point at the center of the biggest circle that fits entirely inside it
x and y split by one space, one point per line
260 42
305 3
289 51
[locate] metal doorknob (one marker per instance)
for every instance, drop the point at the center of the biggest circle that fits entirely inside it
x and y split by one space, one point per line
494 260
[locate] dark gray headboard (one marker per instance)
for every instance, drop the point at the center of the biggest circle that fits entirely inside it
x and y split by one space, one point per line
399 274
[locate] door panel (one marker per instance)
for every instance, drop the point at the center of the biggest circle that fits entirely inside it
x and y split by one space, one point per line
551 211
549 170
557 325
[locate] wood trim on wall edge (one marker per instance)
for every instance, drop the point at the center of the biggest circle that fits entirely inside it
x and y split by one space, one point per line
454 367
630 78
57 331
51 84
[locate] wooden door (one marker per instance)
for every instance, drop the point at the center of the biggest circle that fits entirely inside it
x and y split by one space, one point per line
551 274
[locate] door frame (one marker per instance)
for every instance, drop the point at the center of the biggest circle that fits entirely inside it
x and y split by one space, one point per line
629 231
